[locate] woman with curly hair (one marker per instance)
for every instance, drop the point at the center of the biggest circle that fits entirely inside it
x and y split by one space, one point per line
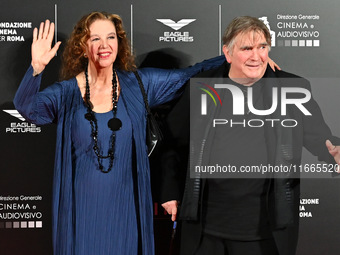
102 200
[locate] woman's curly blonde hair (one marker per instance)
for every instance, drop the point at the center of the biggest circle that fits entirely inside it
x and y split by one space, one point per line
73 59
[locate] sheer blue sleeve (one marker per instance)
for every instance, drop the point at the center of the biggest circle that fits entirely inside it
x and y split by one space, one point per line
162 85
37 107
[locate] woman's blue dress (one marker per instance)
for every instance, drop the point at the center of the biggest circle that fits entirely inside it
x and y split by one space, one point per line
104 202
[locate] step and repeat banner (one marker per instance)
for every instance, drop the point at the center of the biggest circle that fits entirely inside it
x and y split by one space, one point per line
163 34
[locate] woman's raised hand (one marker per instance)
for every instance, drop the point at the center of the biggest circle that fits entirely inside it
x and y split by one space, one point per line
42 53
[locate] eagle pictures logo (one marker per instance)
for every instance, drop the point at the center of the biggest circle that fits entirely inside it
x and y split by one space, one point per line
176 36
20 127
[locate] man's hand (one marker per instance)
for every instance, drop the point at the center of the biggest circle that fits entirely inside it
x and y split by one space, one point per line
334 151
171 208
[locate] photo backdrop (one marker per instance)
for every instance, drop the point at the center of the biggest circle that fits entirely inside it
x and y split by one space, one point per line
305 42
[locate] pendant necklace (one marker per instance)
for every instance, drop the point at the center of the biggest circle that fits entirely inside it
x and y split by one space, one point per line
114 124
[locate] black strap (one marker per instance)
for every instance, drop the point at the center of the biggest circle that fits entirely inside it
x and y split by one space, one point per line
153 132
143 92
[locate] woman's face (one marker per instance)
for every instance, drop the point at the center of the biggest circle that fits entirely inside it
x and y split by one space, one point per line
102 46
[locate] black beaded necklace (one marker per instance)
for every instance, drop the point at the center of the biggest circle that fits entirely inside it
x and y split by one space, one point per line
114 124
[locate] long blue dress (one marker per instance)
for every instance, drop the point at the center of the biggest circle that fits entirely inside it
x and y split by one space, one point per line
93 212
98 196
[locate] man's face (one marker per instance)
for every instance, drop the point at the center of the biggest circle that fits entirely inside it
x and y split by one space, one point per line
248 58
